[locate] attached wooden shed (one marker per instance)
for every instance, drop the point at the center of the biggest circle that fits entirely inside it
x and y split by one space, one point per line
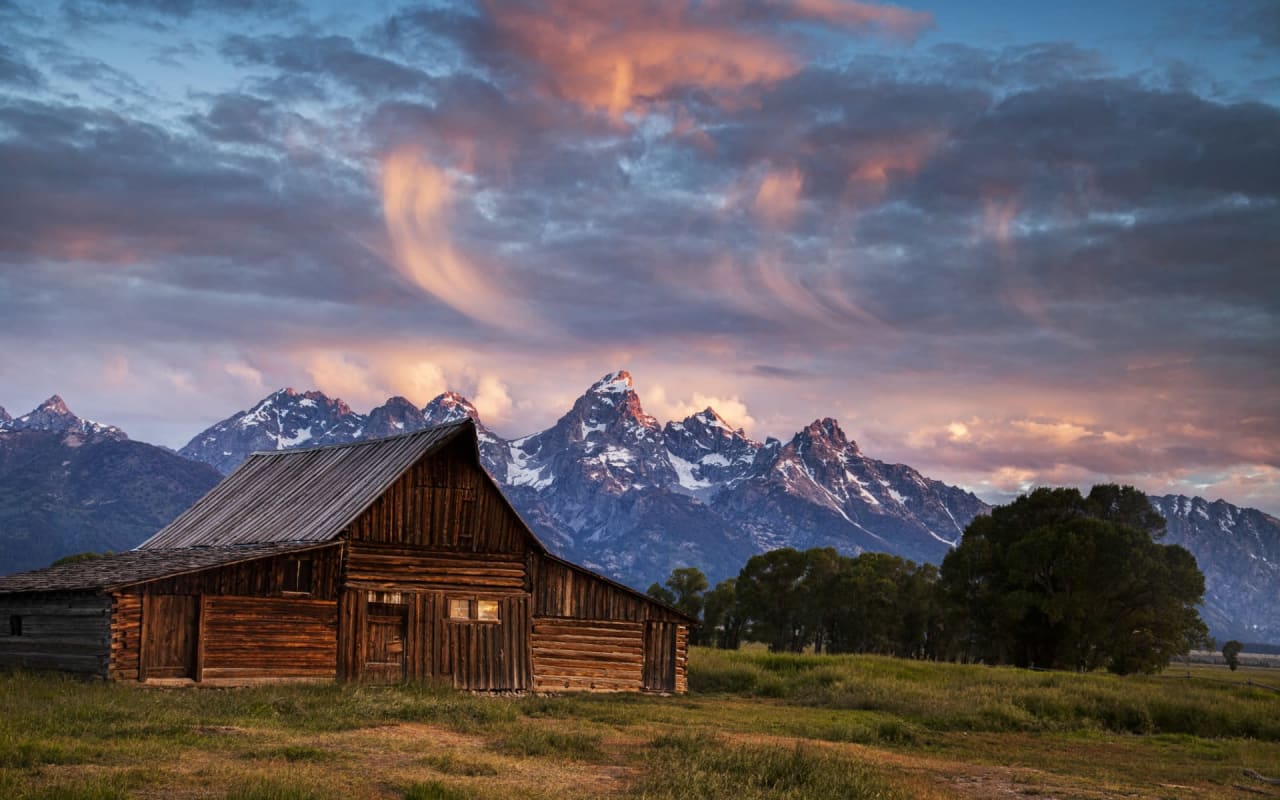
381 561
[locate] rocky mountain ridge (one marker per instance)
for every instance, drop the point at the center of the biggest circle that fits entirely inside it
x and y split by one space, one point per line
53 416
71 485
607 486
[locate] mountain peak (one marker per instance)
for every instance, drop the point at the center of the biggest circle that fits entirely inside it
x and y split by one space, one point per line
449 407
53 415
828 429
4 416
54 405
618 382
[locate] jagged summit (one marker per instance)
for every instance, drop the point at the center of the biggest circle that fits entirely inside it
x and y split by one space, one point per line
828 430
4 416
397 415
615 382
53 416
449 407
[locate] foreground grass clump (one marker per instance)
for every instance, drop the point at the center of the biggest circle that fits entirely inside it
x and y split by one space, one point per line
697 766
953 697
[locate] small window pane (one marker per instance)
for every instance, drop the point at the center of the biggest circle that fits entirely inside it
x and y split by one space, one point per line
15 625
297 575
487 609
459 609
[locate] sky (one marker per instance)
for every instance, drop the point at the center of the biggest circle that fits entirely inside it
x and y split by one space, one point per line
1010 244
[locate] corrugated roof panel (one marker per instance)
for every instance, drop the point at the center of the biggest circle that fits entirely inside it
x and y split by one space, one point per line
299 495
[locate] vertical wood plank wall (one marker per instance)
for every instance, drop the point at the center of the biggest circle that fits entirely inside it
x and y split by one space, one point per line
69 632
444 502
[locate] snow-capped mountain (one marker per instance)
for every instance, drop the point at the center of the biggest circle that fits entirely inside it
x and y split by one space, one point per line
707 453
70 485
819 490
610 487
606 486
53 416
283 419
1238 550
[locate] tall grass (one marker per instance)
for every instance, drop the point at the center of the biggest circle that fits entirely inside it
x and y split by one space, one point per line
700 767
953 697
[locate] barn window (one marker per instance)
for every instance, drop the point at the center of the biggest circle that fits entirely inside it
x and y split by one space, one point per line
297 575
15 625
470 609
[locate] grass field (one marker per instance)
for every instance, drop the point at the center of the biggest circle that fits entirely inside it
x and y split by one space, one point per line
754 725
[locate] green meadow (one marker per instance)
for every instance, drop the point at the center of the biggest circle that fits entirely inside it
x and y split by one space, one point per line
754 725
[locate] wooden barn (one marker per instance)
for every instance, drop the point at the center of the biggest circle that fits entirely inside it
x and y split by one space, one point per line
382 561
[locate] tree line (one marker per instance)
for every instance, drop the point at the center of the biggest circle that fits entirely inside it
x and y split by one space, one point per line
1055 579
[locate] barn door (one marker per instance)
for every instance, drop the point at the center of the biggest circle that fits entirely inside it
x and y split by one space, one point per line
660 656
386 627
171 631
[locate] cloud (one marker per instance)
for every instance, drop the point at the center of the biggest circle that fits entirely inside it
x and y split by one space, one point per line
492 399
776 199
622 59
657 403
417 201
334 58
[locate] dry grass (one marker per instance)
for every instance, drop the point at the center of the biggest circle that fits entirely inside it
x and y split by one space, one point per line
758 727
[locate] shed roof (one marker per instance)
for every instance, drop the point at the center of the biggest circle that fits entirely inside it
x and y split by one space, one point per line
301 495
137 566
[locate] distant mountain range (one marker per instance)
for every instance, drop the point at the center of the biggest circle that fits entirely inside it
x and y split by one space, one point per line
69 485
609 486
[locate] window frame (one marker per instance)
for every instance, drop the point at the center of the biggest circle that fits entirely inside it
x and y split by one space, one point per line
293 572
473 609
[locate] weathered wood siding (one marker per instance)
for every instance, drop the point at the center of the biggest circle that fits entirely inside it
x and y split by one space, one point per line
262 577
444 502
473 654
561 590
587 655
170 635
258 637
391 567
246 599
126 636
68 632
682 659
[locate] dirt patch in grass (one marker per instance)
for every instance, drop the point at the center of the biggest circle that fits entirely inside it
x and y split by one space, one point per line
382 762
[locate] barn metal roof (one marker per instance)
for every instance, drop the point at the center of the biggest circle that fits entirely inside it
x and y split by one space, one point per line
300 495
137 566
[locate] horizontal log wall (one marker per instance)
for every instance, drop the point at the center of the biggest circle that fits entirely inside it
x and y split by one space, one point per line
445 501
682 659
69 632
587 655
262 577
394 567
126 636
561 590
256 637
